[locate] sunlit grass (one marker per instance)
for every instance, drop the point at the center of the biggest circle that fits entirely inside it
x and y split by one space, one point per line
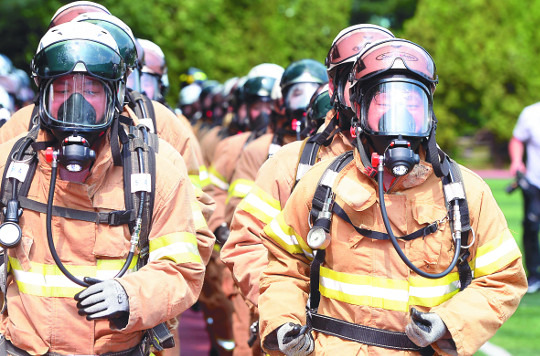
520 334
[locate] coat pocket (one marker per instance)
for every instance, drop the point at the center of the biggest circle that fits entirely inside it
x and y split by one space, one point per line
434 251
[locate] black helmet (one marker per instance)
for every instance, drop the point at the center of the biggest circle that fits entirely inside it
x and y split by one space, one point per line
299 82
319 106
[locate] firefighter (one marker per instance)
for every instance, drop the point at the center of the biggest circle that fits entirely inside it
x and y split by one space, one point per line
339 281
244 252
84 276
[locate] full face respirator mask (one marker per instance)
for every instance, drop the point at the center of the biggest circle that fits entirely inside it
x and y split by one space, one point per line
395 118
76 109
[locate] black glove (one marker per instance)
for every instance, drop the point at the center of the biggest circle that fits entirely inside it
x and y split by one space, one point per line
222 233
104 300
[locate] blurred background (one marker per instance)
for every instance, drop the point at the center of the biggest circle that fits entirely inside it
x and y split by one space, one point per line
486 54
485 51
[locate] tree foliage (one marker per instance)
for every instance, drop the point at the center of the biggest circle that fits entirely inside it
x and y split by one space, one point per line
224 38
486 56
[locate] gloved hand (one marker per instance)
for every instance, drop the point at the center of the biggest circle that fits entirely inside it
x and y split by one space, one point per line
104 300
425 328
293 340
222 233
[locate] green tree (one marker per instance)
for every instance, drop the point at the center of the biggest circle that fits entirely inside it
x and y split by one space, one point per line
225 38
486 56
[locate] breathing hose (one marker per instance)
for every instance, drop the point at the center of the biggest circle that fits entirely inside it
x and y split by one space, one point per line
456 228
134 238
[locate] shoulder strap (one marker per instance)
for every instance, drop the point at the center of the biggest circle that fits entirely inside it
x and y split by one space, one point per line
310 150
144 109
20 167
34 118
324 187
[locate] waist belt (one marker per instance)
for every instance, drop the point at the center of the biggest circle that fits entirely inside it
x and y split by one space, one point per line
7 348
364 334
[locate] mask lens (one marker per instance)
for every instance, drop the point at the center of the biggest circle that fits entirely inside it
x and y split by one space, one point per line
78 100
299 95
397 108
150 85
134 80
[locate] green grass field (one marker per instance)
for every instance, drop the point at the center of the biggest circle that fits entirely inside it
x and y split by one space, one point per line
520 335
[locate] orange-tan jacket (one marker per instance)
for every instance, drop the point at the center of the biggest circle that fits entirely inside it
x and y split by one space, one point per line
209 142
364 281
41 312
221 171
188 148
252 158
244 252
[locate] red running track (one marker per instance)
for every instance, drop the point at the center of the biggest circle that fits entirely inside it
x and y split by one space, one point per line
193 336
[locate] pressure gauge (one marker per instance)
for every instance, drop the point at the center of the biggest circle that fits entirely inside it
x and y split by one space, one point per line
10 234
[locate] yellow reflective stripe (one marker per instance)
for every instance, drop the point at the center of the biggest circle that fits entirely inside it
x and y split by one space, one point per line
432 292
195 181
261 205
240 188
46 280
364 290
218 179
286 237
180 247
203 176
385 293
496 254
198 218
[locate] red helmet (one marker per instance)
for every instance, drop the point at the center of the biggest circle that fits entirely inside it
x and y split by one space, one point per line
392 85
68 12
397 56
346 47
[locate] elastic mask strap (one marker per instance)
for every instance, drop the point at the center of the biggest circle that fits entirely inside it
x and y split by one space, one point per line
115 145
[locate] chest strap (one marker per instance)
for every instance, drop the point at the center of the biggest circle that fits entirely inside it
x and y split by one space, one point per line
113 218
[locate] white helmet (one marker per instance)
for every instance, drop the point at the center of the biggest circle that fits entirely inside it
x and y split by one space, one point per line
189 94
266 70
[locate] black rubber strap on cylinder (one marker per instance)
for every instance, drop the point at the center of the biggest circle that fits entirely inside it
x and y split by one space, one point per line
365 334
314 277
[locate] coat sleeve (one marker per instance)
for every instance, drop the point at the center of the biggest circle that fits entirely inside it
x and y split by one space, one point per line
244 252
284 285
476 313
242 180
172 280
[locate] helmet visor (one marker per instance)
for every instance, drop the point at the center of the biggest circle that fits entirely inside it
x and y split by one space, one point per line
397 108
79 101
394 54
134 80
299 95
64 56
